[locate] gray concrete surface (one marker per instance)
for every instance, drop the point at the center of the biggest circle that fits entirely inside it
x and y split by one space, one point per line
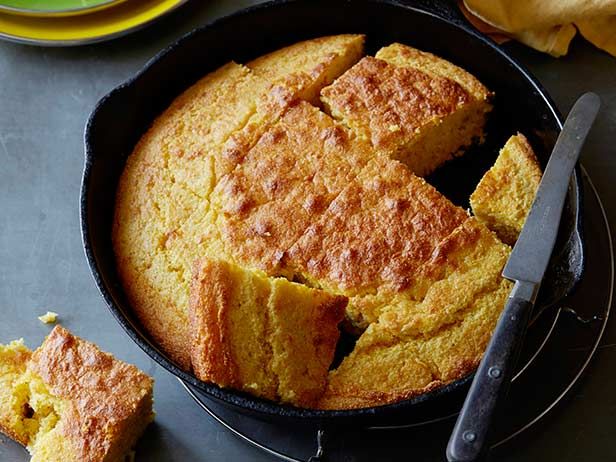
45 98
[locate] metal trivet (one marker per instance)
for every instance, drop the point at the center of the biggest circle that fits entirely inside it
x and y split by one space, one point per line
561 343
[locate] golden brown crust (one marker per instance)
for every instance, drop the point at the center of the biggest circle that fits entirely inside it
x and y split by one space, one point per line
375 235
418 346
285 182
406 56
506 192
388 105
269 337
308 66
162 221
104 394
293 192
209 303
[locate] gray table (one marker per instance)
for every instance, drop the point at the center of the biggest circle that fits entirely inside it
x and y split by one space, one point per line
45 98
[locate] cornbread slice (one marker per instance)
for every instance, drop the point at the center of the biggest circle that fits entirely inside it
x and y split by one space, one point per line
375 237
310 65
70 402
506 192
13 360
412 106
163 220
415 347
269 337
284 183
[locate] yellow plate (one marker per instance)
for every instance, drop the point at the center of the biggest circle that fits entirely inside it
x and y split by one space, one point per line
96 27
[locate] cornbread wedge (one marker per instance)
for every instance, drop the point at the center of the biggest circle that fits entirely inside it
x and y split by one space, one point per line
70 402
506 192
162 219
415 347
374 238
411 105
269 337
310 65
284 183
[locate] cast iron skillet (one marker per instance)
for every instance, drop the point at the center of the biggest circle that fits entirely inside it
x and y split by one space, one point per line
121 117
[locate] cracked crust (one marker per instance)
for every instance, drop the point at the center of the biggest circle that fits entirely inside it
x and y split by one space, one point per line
284 183
375 237
279 188
420 345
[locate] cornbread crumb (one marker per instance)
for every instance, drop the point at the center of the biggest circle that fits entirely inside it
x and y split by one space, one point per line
505 194
49 318
69 402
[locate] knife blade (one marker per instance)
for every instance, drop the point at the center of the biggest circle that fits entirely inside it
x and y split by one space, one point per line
526 266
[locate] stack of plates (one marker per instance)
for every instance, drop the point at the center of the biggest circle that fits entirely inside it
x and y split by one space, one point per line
77 22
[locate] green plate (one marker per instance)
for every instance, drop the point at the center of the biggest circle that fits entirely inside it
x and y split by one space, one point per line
54 7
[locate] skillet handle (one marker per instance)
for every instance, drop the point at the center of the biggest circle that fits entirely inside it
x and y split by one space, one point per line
469 439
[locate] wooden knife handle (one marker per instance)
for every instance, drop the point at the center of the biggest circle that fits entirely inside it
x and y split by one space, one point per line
469 439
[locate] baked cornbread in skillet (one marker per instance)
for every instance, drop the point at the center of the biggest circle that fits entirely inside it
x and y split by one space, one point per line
506 192
163 220
419 345
70 402
413 106
326 200
267 336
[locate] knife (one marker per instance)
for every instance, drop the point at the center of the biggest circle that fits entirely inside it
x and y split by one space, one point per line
526 267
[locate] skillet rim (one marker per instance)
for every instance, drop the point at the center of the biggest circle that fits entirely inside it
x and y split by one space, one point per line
233 398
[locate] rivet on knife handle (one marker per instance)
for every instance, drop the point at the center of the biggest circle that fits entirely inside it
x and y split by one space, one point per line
526 266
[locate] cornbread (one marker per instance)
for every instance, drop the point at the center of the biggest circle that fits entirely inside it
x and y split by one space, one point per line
506 192
417 346
375 237
310 65
267 336
248 217
411 105
285 182
163 221
69 402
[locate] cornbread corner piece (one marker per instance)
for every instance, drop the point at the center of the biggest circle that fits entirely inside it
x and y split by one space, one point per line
412 106
374 237
505 194
266 336
283 184
70 402
416 347
310 65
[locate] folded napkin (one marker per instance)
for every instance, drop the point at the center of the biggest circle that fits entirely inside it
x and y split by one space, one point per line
545 25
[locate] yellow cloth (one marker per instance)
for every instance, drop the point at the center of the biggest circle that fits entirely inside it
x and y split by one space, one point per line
547 25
